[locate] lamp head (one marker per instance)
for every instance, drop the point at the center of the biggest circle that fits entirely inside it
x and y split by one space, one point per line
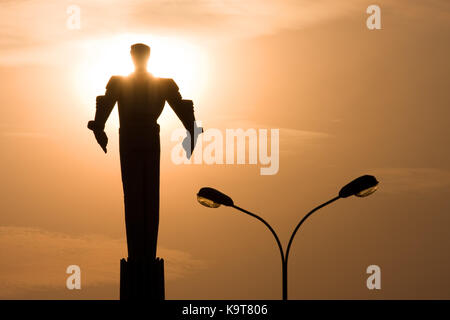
360 187
213 198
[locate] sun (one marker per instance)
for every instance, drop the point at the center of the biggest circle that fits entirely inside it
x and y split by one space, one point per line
173 58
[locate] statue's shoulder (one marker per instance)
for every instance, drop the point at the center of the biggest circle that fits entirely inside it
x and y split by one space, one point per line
168 83
115 82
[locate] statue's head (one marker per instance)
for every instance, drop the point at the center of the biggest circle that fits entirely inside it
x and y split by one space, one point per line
140 53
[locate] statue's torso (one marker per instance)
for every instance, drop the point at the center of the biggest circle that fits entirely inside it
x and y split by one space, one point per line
140 99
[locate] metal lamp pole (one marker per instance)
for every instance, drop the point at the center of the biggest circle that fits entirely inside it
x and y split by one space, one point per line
284 258
360 187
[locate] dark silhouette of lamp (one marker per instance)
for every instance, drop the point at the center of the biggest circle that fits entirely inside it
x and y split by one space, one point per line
213 198
360 187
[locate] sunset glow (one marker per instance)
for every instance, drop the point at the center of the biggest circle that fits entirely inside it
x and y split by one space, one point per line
293 100
170 58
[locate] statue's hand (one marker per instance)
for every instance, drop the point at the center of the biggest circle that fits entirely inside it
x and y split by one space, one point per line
99 133
101 138
189 143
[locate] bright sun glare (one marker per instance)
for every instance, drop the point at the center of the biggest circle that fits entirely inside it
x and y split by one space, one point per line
170 57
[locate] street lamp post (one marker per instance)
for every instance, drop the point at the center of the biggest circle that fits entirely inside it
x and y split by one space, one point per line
283 258
360 187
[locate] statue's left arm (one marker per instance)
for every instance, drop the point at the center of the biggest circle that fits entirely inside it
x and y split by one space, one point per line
184 109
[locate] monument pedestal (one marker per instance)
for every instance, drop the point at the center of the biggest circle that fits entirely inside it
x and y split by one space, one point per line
142 280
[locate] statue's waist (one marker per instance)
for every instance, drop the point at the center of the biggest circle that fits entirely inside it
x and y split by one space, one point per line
139 138
151 128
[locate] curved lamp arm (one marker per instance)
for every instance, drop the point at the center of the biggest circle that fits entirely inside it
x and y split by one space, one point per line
303 220
267 225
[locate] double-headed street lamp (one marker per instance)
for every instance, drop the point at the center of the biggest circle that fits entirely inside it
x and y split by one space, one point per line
360 187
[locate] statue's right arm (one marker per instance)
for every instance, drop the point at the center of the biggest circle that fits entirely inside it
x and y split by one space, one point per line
105 104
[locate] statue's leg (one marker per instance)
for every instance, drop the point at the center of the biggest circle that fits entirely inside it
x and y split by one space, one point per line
142 276
151 187
132 167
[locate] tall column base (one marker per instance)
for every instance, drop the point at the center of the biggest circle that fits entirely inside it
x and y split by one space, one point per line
142 280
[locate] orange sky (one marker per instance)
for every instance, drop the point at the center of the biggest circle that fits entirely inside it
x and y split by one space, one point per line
347 101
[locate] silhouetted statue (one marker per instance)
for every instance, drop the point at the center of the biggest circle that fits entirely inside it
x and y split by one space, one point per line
141 98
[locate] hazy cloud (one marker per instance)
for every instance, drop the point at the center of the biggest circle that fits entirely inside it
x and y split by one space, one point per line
303 134
40 26
35 259
400 180
288 133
